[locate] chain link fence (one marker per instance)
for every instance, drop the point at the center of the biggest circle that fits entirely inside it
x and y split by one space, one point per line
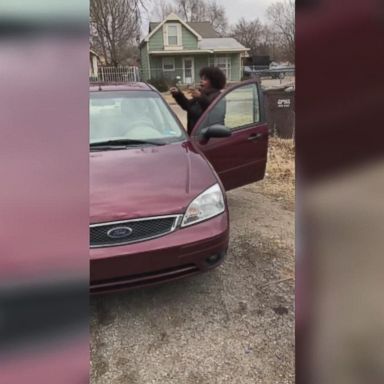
267 73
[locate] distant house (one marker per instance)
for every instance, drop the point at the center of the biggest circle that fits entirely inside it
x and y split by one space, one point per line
176 48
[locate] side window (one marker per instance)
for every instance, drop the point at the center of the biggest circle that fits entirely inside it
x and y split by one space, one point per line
239 108
242 107
224 63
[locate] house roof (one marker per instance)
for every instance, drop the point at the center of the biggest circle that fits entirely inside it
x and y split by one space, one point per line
153 25
221 43
203 28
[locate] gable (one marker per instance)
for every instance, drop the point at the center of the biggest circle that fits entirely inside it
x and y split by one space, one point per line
188 39
171 17
203 28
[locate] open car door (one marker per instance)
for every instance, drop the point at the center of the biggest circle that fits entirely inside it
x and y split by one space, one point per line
240 155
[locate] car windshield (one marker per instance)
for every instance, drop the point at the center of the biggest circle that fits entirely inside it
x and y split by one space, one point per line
137 116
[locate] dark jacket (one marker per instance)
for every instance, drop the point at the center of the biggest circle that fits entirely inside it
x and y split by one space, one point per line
195 106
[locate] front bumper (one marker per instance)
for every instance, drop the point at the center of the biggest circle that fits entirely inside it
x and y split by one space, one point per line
181 253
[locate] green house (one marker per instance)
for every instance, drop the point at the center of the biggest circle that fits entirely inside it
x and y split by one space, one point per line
176 49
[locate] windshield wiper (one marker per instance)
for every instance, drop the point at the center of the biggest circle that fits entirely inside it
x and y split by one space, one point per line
120 142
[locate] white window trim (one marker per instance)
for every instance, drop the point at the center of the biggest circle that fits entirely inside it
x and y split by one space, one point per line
173 61
228 65
179 44
227 60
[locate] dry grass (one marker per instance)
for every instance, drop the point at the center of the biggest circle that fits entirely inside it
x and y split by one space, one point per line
279 180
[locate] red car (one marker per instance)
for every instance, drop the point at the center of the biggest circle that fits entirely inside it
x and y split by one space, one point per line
158 209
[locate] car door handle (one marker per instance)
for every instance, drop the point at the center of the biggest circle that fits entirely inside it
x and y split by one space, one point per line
257 136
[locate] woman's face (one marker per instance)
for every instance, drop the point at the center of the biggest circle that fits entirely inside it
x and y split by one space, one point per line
205 83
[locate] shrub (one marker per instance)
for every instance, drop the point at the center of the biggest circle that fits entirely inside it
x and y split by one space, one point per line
162 84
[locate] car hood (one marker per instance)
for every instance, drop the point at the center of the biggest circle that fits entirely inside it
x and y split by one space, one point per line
147 181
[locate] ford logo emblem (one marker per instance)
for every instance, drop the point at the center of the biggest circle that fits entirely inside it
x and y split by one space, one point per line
119 232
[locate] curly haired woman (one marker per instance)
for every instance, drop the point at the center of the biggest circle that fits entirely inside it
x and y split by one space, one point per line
212 81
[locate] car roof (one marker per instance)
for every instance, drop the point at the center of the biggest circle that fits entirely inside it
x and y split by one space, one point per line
134 86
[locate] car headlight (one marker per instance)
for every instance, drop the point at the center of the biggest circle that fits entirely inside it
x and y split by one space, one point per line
208 204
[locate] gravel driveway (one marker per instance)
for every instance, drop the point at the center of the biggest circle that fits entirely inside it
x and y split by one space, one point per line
232 325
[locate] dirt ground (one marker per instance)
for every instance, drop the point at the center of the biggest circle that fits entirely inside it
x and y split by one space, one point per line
232 325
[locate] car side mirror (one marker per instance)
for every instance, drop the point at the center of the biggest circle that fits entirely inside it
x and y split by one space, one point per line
215 130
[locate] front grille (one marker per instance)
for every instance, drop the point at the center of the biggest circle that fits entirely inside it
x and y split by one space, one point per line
131 281
102 235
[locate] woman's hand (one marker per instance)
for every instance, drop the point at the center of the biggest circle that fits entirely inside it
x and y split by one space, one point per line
174 90
194 92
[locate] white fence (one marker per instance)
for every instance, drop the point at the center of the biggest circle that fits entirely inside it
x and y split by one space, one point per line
116 74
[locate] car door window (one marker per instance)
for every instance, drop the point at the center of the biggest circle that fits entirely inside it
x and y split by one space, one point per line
239 108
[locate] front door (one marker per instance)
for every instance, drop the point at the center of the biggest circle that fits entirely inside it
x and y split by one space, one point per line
241 158
188 70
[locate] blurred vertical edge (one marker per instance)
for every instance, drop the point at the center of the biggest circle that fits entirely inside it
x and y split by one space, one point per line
339 153
339 61
44 193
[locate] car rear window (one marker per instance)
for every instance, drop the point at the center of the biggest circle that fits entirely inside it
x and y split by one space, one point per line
136 115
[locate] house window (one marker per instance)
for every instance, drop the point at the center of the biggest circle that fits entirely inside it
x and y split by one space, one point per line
172 35
168 63
224 63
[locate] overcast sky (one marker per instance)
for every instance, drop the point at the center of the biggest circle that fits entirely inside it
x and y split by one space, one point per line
235 9
249 9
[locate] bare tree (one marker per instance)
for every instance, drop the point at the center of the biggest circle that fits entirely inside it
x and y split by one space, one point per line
216 15
162 9
272 44
194 11
262 39
115 26
191 10
282 18
250 34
